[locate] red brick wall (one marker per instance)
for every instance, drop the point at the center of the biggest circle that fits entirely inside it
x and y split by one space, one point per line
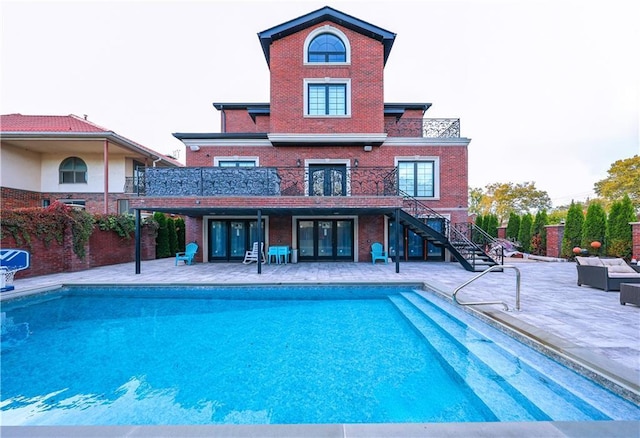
555 234
635 229
12 199
370 230
502 232
104 248
287 81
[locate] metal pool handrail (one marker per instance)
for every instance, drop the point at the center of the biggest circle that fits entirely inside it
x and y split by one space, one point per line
492 268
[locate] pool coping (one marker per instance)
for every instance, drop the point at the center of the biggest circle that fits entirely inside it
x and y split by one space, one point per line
549 429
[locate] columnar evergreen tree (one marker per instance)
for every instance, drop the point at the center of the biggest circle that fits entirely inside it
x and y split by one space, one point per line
619 233
524 234
513 227
477 237
595 226
162 240
173 236
539 234
572 230
491 224
180 231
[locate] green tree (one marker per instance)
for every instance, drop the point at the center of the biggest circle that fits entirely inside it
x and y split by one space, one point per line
513 227
595 227
503 198
173 236
619 233
180 231
475 199
162 240
524 234
539 234
623 179
491 225
572 230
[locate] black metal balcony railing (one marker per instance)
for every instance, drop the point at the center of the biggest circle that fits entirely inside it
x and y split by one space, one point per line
429 128
270 181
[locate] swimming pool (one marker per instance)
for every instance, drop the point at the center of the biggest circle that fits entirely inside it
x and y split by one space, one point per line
274 354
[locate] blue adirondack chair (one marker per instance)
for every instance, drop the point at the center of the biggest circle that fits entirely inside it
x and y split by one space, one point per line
378 253
190 252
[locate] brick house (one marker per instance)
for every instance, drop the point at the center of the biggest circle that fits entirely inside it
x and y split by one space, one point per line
326 167
69 159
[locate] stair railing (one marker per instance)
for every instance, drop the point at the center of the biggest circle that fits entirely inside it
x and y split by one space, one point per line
477 303
480 237
456 237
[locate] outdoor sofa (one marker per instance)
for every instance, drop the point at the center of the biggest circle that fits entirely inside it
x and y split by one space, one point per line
605 274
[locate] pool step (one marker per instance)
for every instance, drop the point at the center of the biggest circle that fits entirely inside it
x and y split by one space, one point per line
489 369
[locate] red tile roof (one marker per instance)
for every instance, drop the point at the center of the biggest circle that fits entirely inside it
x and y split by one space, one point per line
70 123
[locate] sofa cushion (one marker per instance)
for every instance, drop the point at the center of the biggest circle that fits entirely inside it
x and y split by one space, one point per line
589 261
628 275
621 269
614 262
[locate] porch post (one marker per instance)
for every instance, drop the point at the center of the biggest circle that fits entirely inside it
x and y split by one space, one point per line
137 244
259 241
397 238
106 177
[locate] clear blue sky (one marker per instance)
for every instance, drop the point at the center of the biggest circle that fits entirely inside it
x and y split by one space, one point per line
546 90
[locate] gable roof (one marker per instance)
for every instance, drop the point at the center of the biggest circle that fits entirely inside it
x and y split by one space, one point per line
19 126
326 14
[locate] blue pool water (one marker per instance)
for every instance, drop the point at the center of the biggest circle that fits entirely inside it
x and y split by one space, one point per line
266 355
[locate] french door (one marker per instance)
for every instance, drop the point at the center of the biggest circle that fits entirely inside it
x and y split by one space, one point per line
229 239
328 180
325 240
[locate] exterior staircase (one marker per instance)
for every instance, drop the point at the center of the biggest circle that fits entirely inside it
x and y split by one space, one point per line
470 255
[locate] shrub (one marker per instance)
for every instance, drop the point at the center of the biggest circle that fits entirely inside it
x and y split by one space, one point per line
173 237
573 230
122 224
594 228
162 239
180 231
539 234
524 234
619 232
513 227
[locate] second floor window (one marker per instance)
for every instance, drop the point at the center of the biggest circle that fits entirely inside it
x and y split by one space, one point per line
236 163
73 171
417 178
327 99
326 47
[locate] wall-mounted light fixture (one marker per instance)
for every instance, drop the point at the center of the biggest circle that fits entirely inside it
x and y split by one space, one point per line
299 163
355 162
368 148
194 148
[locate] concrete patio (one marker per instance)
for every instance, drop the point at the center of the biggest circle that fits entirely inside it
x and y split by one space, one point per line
573 323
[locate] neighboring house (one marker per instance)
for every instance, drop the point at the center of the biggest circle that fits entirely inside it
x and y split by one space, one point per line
69 159
327 165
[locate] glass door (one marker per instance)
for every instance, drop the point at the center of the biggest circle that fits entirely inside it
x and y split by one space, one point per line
218 240
325 240
237 239
229 239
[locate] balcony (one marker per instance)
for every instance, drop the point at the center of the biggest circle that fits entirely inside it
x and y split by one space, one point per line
428 128
268 181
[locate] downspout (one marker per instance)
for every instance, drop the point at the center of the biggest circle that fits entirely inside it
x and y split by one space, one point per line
155 161
106 177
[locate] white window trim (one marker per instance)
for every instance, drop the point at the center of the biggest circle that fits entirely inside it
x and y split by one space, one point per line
436 172
255 159
332 30
343 81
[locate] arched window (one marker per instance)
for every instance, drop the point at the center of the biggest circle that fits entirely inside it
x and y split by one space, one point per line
72 171
326 47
